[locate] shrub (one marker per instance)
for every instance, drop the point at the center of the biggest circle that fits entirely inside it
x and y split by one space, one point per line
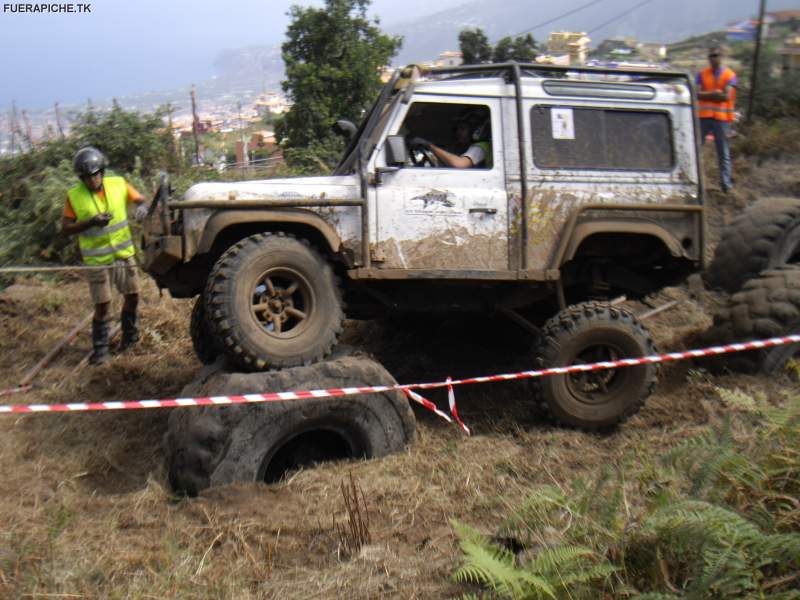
717 517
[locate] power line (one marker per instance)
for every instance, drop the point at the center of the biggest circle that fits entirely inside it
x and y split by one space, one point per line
559 17
620 16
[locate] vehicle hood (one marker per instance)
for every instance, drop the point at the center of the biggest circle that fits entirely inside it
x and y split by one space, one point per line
335 187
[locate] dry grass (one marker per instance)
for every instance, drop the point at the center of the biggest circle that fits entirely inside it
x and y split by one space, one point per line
85 510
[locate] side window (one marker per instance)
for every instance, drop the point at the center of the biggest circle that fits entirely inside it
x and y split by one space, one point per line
462 129
599 138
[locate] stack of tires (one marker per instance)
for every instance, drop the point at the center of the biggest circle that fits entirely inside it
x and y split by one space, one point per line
272 300
757 262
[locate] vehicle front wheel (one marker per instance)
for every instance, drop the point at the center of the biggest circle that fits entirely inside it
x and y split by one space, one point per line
587 333
273 301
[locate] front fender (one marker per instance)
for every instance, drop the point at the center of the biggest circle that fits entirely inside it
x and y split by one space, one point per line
228 218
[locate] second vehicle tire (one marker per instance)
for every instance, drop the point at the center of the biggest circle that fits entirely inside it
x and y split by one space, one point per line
587 333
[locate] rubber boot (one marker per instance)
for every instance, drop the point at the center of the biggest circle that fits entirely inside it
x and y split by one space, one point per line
99 342
130 329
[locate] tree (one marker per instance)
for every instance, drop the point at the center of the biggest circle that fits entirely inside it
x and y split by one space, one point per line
34 184
476 49
126 137
521 49
474 46
333 56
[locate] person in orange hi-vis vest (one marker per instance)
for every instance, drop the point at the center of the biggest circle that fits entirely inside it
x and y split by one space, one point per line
717 100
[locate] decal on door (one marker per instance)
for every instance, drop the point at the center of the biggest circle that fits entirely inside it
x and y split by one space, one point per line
434 202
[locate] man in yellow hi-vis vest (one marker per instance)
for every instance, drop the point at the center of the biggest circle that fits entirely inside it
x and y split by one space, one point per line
96 211
717 102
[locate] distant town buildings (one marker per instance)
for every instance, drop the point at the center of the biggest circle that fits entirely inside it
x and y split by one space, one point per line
572 44
449 58
272 103
790 55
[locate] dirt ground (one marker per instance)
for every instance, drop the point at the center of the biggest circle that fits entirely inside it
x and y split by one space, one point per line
86 512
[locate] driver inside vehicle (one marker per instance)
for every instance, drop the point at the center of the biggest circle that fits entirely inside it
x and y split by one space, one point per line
471 146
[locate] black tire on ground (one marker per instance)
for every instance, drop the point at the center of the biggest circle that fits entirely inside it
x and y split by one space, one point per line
766 236
594 332
206 346
274 301
216 445
767 306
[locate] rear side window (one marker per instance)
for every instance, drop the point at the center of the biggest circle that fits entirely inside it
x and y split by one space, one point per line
599 138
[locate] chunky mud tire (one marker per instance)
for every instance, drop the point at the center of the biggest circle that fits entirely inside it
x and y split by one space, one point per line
217 445
766 236
767 306
206 346
594 332
274 301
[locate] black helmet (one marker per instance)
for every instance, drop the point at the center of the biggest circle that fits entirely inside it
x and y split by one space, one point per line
476 120
88 161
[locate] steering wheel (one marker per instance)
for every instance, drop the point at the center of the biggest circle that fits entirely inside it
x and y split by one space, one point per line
422 156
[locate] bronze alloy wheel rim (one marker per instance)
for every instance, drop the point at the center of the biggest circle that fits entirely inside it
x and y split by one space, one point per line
595 387
282 302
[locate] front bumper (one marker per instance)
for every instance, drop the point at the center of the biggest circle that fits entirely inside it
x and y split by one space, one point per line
161 253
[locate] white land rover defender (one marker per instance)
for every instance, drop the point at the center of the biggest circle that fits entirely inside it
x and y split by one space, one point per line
591 189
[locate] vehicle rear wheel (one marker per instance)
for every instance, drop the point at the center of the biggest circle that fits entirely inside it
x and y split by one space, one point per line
587 333
273 301
766 236
767 306
206 346
216 445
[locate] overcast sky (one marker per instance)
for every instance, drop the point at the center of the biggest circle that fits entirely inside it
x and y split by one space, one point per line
128 46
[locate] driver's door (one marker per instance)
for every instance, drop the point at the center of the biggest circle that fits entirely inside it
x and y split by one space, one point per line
432 217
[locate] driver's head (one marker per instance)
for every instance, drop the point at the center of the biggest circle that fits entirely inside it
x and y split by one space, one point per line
472 126
463 132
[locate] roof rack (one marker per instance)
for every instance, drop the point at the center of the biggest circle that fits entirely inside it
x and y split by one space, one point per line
509 67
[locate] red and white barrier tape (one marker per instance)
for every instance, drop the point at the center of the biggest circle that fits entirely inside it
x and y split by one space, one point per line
407 389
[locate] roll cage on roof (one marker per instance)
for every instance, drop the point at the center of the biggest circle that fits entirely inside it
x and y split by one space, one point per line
404 80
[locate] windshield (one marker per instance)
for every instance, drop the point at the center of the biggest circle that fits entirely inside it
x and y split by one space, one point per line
368 127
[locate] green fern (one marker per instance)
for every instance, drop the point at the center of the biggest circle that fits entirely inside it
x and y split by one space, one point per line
726 554
487 564
560 572
717 517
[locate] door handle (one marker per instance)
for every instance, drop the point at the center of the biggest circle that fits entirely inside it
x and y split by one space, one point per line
485 211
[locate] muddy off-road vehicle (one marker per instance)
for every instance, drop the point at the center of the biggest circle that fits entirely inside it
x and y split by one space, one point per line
592 190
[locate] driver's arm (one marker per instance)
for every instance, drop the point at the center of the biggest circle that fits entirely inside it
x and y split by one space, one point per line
451 160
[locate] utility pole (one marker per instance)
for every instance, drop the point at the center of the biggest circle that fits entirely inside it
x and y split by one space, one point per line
245 157
58 122
195 128
756 57
173 148
13 126
28 131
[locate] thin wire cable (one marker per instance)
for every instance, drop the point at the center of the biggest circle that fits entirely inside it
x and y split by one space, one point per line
620 16
559 17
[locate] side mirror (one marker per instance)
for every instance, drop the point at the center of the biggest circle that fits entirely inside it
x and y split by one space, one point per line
345 128
396 151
